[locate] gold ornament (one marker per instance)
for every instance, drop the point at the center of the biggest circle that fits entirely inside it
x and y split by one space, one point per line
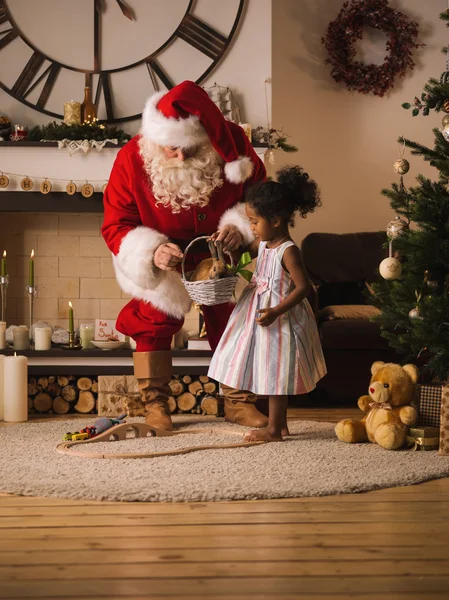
26 184
104 187
70 188
415 314
396 227
445 121
4 181
87 190
401 166
446 106
46 186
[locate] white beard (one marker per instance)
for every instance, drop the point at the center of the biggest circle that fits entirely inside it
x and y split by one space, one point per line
182 184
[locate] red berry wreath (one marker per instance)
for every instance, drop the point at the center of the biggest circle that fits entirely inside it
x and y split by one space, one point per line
347 28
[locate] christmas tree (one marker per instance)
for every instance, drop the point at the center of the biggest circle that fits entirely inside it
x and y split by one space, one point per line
414 298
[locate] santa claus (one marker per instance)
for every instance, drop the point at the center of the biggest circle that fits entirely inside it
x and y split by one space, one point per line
182 177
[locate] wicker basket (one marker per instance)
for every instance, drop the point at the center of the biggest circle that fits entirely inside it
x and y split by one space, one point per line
210 291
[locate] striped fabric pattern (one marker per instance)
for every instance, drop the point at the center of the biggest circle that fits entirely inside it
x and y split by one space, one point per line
284 358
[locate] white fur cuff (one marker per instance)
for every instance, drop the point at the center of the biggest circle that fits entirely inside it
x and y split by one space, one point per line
237 216
135 257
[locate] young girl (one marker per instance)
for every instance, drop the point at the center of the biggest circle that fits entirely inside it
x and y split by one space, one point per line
271 345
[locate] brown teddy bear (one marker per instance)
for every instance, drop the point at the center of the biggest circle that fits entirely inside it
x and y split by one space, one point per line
389 414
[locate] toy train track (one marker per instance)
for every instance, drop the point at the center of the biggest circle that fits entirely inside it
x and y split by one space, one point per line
126 431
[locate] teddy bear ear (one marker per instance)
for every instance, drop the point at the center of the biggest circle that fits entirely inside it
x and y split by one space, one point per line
376 366
412 372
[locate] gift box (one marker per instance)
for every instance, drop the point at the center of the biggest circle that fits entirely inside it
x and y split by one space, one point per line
428 404
444 422
423 438
118 394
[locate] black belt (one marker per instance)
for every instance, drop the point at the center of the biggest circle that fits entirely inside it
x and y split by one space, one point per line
199 247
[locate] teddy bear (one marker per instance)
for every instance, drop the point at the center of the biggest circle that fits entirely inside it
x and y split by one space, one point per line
387 407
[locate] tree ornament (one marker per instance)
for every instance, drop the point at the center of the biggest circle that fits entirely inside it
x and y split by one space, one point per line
431 284
70 188
445 132
446 106
87 190
26 184
390 268
401 166
45 186
414 314
396 227
445 121
4 181
348 27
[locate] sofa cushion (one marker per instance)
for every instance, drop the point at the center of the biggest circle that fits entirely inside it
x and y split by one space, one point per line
348 292
351 334
347 311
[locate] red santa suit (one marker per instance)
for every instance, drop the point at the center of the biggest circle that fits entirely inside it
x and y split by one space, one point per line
135 226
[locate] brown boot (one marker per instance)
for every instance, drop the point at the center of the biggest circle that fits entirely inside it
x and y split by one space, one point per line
153 371
240 408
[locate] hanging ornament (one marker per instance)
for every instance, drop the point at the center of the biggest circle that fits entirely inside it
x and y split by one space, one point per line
390 268
104 187
26 184
396 227
70 188
445 121
431 284
414 314
270 156
45 186
401 166
87 190
446 106
4 181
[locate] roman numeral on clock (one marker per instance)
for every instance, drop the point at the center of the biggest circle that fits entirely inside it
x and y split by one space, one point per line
155 69
202 37
8 35
104 84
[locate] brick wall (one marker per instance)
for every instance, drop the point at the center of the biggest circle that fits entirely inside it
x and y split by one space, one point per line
72 263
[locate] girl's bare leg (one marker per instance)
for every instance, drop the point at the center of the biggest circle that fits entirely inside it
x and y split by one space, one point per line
277 422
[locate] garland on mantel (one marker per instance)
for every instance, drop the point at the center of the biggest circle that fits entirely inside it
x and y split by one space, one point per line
94 130
347 28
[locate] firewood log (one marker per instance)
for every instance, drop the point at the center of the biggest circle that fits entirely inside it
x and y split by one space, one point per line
69 393
54 389
84 383
63 381
42 402
60 406
86 402
42 382
171 404
209 405
204 379
210 387
177 387
187 379
32 387
195 386
186 401
94 388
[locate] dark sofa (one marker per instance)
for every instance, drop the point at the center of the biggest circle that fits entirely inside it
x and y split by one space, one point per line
340 266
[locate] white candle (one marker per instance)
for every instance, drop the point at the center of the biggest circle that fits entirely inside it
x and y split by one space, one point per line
42 338
16 389
2 386
2 335
21 338
86 335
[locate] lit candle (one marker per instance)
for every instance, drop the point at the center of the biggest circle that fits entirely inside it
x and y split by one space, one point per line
42 338
2 386
4 270
31 271
16 389
71 328
2 335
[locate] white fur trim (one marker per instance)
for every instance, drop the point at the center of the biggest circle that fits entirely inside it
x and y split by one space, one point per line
239 170
136 274
168 131
237 216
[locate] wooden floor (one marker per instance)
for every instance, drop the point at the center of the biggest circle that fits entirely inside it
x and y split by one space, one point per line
382 545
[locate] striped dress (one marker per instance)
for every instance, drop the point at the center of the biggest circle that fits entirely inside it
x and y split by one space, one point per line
284 358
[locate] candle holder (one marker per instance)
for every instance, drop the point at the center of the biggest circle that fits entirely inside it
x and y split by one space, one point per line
3 289
31 291
73 342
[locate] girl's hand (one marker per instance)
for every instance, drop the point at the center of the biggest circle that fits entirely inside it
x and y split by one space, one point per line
269 316
230 236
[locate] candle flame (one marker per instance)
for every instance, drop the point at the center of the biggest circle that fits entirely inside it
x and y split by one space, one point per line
32 253
15 353
70 304
4 253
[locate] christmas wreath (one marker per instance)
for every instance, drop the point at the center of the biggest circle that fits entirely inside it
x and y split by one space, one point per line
348 27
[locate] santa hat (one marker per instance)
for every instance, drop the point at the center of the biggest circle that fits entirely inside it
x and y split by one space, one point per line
185 117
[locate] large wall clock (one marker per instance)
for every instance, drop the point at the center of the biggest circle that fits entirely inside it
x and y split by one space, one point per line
125 49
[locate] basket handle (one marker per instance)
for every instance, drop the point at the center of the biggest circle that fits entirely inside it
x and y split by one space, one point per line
202 237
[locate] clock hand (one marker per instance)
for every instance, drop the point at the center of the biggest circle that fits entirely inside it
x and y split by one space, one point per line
126 10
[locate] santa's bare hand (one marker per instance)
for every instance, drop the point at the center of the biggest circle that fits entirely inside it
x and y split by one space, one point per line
167 257
269 316
230 236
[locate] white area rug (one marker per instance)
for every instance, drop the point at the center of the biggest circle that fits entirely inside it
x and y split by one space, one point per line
311 463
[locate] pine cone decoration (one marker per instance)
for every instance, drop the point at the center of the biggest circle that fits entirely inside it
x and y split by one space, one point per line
446 106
